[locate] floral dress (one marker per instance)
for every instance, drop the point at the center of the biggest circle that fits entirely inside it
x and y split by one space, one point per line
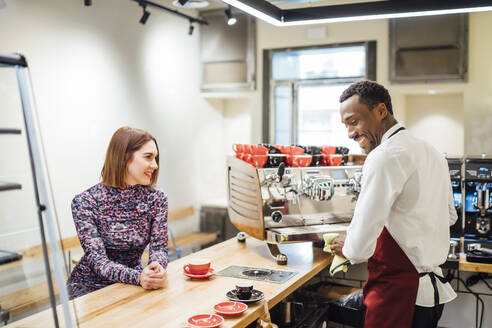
114 226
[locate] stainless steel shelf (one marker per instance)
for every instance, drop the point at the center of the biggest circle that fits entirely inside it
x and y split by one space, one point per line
4 186
9 131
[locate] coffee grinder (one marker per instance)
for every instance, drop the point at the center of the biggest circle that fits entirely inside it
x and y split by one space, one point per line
477 190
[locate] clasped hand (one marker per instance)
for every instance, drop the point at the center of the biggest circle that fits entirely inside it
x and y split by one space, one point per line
153 276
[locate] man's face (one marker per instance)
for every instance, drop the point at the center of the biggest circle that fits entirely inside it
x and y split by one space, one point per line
363 125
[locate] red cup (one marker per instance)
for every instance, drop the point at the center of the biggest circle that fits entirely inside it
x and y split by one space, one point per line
258 160
332 159
247 149
294 150
247 158
328 150
198 266
299 160
238 148
259 150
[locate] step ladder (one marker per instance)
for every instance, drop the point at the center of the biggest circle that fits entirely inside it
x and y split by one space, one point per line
42 187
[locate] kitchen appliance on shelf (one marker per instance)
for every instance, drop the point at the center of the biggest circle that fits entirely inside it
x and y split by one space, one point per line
456 230
291 204
454 165
477 213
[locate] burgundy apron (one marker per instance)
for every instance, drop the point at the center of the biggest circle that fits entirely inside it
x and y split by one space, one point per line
390 291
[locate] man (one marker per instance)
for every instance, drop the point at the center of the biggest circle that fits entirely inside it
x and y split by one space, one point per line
402 217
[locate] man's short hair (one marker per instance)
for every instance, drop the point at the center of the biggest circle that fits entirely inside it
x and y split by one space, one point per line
370 94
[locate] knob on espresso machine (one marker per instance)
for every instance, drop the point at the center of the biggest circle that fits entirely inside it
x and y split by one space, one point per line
277 216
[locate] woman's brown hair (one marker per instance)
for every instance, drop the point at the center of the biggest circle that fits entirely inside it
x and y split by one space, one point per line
123 144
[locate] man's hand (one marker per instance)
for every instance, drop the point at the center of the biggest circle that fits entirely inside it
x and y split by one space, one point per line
153 276
337 245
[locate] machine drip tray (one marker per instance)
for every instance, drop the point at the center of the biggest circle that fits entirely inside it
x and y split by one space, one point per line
474 251
255 273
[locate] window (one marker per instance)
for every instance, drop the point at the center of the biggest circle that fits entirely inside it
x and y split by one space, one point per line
303 88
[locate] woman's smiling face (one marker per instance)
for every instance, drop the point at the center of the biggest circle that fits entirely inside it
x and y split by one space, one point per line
142 165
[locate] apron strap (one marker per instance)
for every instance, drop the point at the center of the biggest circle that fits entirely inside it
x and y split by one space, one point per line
398 130
433 277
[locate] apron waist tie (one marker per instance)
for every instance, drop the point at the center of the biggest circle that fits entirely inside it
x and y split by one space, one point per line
433 277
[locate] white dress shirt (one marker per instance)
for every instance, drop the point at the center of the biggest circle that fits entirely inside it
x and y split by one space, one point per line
407 189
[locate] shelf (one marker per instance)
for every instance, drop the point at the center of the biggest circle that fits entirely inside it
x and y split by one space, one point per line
9 131
4 186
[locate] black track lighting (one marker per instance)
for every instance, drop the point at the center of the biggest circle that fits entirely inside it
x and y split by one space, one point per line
145 15
182 2
231 20
190 30
88 3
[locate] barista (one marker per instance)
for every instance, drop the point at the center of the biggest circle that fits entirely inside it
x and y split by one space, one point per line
402 217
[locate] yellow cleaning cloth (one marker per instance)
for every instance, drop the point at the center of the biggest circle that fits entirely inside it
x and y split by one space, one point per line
339 263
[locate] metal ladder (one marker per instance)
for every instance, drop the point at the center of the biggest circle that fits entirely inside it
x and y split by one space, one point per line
42 187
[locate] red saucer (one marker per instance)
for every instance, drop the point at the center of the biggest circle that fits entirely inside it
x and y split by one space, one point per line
230 309
205 320
199 276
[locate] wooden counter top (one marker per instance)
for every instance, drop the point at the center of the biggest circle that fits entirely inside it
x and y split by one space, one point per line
121 305
464 265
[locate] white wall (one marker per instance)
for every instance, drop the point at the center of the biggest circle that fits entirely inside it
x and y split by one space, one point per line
438 118
95 69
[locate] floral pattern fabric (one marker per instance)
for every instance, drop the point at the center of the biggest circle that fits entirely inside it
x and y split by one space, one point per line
114 226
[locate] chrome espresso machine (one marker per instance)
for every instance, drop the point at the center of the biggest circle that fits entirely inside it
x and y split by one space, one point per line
291 204
477 211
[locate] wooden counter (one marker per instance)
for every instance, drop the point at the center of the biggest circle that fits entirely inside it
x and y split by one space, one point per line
121 305
464 265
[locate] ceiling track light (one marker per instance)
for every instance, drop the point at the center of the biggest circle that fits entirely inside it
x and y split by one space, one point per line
88 3
145 14
182 2
231 20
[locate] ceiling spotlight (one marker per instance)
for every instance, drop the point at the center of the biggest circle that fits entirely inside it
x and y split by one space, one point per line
145 15
190 30
88 3
231 20
191 4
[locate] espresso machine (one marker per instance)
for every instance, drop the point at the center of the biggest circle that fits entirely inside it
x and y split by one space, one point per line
477 227
291 204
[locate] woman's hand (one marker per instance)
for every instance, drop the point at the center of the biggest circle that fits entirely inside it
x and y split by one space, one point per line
153 276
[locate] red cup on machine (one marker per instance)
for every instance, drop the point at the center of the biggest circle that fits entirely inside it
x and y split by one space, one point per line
332 159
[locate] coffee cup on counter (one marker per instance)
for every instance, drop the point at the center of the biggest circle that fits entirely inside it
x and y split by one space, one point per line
244 289
198 266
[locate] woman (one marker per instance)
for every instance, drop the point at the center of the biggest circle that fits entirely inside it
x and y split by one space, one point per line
117 218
